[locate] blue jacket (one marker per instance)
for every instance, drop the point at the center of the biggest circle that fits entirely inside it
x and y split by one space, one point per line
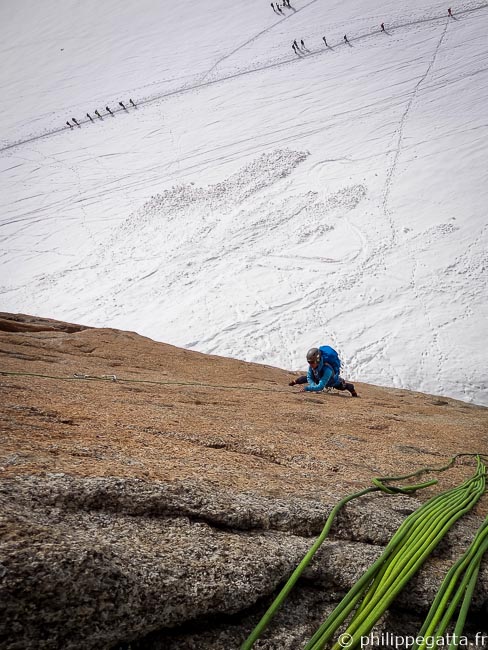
323 376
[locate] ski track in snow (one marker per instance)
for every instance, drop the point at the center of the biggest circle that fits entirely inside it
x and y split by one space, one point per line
396 25
295 248
399 133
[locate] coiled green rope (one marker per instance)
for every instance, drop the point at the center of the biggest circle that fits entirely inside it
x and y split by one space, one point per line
420 534
457 587
403 556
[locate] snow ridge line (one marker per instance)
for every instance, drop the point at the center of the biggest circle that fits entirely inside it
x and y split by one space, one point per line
203 84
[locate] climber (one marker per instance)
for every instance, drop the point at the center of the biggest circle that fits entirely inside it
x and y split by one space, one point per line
299 380
323 371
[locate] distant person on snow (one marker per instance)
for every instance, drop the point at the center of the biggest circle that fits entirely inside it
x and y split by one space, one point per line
131 102
98 114
123 106
345 38
382 27
74 120
323 372
69 124
302 44
449 12
108 110
325 41
89 117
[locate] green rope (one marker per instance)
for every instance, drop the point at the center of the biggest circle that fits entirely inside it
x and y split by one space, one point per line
425 519
458 585
270 613
427 527
407 550
433 520
410 550
113 378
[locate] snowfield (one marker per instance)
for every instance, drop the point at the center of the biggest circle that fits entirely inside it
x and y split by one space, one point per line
255 202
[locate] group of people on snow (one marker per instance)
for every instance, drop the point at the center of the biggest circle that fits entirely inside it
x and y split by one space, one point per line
278 9
299 48
99 115
303 49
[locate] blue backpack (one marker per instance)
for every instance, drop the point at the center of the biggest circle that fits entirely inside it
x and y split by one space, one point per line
330 356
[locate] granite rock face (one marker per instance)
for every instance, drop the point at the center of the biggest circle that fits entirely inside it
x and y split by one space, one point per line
160 498
95 562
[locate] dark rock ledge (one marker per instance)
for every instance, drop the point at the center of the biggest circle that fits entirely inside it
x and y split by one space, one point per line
99 563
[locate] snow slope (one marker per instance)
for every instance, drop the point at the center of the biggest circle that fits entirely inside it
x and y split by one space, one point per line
255 202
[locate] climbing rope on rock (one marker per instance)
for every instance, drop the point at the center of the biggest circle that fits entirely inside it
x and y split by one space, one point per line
114 378
408 549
